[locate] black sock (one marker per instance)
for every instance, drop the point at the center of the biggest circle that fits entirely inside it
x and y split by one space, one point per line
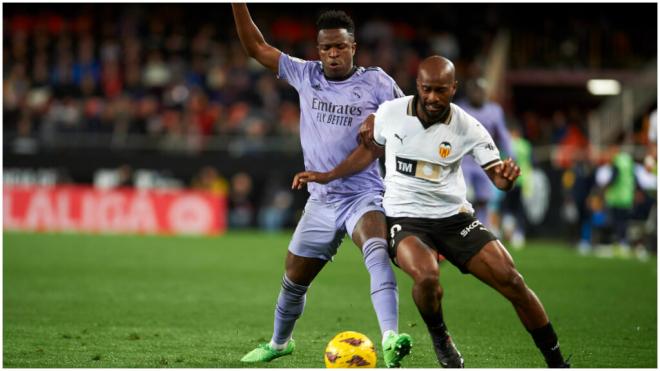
546 340
435 323
438 331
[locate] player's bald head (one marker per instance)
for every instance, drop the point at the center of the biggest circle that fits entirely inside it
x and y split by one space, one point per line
437 68
436 86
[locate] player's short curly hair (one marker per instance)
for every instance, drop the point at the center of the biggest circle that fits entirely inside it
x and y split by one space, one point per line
335 19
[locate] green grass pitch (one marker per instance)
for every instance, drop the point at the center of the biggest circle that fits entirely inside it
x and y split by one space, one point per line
75 301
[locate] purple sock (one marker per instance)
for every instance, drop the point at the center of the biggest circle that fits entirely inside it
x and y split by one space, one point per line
384 294
290 305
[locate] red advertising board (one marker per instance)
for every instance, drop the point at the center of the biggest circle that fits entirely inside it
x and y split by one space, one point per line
127 210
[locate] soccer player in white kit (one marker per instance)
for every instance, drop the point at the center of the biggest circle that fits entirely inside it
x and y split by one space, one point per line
335 98
424 138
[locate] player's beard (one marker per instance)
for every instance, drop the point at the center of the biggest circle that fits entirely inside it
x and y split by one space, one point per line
435 117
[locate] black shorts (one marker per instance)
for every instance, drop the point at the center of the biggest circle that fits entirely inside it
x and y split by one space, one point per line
458 238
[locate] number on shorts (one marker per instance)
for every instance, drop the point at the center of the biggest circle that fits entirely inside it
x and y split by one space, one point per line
394 230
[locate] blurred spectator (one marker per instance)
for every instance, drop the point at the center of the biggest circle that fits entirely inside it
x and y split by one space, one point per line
209 179
559 126
202 113
174 139
86 65
25 143
114 178
241 205
268 95
156 72
651 190
276 210
572 141
651 158
642 229
375 32
16 86
65 115
620 194
513 211
600 224
289 114
578 181
111 81
445 44
124 117
617 180
254 131
124 176
532 127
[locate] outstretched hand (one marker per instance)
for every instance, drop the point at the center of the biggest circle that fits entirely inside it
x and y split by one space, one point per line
509 170
305 177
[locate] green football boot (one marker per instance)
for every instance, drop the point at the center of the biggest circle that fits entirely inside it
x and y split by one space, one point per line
395 348
264 353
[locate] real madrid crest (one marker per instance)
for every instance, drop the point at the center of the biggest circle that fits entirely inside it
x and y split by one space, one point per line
445 149
357 93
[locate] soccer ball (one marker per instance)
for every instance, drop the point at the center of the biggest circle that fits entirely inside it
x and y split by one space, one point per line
350 349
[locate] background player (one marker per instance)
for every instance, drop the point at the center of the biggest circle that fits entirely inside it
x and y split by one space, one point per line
486 198
335 97
425 138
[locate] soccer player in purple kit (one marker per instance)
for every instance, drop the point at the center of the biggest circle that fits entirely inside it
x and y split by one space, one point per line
491 116
335 98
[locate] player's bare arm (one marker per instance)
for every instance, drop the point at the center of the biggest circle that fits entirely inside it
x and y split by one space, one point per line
366 136
504 175
365 153
357 161
252 40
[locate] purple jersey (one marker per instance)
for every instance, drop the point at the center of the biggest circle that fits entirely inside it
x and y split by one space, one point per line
331 113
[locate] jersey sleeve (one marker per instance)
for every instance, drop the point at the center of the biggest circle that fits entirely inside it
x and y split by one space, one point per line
484 151
390 90
379 126
292 70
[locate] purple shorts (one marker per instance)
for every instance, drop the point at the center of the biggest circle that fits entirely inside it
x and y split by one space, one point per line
323 225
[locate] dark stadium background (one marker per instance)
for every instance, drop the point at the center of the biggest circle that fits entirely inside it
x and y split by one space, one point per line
554 49
161 98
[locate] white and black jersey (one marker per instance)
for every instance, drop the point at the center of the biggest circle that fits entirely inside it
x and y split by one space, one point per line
424 177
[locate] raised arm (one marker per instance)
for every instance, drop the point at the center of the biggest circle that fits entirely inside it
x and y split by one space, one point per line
252 40
504 175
